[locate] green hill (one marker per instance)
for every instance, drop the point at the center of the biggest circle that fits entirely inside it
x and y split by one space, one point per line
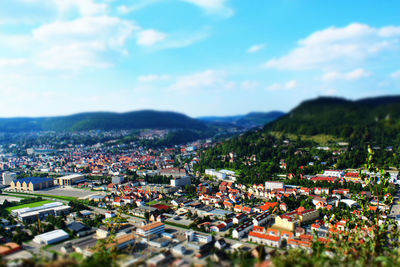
291 138
146 119
373 120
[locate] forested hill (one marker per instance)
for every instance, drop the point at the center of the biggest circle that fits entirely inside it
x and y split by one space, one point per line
293 139
103 121
375 120
250 120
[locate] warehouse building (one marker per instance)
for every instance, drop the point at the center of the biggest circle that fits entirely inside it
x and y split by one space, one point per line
51 237
31 184
41 212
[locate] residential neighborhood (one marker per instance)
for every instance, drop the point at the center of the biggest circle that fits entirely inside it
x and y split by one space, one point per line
157 209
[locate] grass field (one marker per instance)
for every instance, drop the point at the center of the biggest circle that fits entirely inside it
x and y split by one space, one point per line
66 198
30 205
322 139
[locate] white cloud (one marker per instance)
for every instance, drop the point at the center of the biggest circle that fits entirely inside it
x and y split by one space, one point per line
139 4
184 40
153 78
124 9
209 79
353 43
353 75
84 7
80 43
291 84
358 74
285 86
74 56
213 6
111 31
250 85
256 48
150 37
10 62
395 75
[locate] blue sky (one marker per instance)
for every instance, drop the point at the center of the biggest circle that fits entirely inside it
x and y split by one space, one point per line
199 57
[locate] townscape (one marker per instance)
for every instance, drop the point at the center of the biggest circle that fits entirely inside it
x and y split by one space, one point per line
199 133
157 207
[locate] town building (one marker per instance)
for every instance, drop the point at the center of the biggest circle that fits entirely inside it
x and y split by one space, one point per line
215 173
181 181
31 184
8 177
242 230
70 179
41 212
117 179
289 221
272 185
150 229
9 248
265 239
174 172
51 237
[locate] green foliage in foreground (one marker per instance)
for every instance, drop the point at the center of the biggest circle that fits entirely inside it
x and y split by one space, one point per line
371 238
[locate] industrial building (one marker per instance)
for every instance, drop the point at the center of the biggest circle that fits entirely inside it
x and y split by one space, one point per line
51 237
41 212
70 179
31 184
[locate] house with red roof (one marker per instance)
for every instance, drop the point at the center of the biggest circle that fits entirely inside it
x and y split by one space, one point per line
265 239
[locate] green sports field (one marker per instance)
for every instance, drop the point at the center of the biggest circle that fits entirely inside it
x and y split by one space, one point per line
30 205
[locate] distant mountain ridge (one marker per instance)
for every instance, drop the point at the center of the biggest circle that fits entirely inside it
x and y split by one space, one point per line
250 120
148 119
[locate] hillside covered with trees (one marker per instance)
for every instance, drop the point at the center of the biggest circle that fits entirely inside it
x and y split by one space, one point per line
372 120
259 155
145 119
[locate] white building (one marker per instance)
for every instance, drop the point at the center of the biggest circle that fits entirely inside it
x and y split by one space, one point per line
181 181
193 236
117 179
217 174
334 173
242 230
31 214
150 229
8 177
51 237
269 240
272 185
228 172
262 219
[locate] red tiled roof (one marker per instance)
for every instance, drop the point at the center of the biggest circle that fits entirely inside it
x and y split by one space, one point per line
264 236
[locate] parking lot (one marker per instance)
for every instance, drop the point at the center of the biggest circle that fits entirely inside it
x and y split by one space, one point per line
69 192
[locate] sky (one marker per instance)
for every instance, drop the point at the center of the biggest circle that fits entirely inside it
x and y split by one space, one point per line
198 57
